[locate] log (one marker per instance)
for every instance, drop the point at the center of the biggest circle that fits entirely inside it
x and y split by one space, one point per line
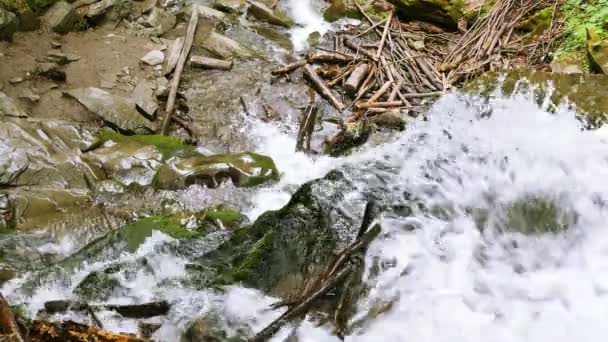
69 331
321 88
355 79
288 68
384 34
179 69
380 91
145 310
210 63
8 324
339 58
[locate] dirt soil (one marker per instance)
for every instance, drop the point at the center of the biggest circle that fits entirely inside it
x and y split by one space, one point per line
105 53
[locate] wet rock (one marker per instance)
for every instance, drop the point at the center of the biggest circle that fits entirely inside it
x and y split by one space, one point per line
144 98
230 6
62 18
282 39
6 274
173 52
224 47
127 162
161 20
162 87
244 169
446 13
50 71
97 286
8 24
7 213
390 118
208 328
118 112
42 153
262 12
154 57
352 135
597 50
9 108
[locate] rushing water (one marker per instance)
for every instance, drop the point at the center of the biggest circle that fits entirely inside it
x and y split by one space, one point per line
445 277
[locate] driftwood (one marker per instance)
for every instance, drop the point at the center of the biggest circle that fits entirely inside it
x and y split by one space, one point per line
381 91
179 69
329 58
145 310
321 88
356 78
8 324
307 126
210 63
288 68
362 105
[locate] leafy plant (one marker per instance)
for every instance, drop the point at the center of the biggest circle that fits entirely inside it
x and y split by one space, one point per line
581 15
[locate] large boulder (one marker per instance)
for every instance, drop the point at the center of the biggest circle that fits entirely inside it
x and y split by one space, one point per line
62 18
264 13
224 47
597 50
8 24
116 111
230 6
442 12
160 20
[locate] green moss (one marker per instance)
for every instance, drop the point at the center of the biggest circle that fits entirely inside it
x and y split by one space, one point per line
313 39
260 250
580 15
168 146
24 6
281 39
226 216
136 233
537 23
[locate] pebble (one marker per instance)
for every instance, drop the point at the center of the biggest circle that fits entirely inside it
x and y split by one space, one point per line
16 80
55 44
154 57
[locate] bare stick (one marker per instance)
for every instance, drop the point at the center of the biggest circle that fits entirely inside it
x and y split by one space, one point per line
384 34
321 88
179 69
381 91
356 77
210 63
351 45
363 105
288 68
333 57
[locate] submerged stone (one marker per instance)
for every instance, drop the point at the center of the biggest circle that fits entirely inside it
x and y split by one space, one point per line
97 286
244 169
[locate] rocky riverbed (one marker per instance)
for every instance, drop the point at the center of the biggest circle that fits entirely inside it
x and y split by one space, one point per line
268 212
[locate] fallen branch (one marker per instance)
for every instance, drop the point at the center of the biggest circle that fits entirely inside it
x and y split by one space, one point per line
179 69
321 88
210 63
8 324
288 68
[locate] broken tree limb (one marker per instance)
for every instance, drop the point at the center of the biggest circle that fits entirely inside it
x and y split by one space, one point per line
355 79
321 88
329 58
210 63
380 92
307 126
362 105
8 324
288 68
384 34
358 49
179 69
69 331
145 310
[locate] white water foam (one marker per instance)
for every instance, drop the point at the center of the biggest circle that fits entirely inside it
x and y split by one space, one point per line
306 13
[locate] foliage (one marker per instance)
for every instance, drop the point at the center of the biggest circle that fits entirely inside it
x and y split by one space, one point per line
579 16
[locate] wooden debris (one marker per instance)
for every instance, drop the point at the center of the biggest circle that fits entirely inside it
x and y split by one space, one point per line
179 69
8 324
321 88
355 79
288 68
69 331
329 58
307 126
210 63
145 310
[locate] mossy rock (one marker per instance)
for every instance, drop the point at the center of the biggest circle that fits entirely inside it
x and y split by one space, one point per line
581 90
136 233
537 23
169 146
287 243
353 134
244 169
445 13
597 52
97 286
339 9
280 38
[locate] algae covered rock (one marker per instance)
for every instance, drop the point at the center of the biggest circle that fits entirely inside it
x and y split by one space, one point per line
244 169
353 134
597 51
272 16
442 12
